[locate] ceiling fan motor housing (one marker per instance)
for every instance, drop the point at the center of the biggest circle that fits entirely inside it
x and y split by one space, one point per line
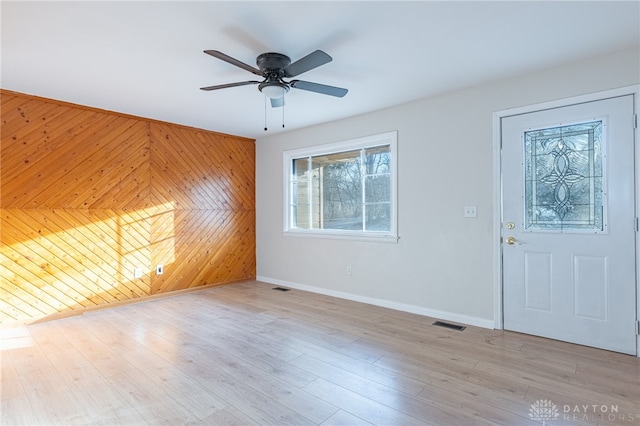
272 62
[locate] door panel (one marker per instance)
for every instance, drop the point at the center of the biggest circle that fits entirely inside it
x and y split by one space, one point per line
537 281
569 224
591 287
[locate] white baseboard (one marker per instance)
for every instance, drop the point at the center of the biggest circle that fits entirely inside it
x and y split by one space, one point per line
433 313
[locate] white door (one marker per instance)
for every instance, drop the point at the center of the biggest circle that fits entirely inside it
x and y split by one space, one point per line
569 224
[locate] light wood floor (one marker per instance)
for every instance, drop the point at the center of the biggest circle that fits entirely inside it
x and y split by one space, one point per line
249 355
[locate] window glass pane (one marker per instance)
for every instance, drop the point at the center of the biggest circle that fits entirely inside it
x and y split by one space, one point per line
316 194
341 187
300 213
564 178
300 168
301 216
294 216
378 160
378 217
377 188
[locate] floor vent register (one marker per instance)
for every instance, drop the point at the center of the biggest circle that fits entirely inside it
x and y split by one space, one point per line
450 326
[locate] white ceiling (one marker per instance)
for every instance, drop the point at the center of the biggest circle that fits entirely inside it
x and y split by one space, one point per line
146 58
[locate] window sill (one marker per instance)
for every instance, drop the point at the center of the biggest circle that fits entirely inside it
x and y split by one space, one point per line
337 235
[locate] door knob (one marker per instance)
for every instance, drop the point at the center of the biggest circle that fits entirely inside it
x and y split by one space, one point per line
511 240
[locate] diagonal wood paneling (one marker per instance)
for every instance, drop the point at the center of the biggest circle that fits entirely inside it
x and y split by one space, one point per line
61 260
88 196
199 170
206 183
57 156
222 249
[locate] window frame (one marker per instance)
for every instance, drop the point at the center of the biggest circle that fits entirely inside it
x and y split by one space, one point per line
387 138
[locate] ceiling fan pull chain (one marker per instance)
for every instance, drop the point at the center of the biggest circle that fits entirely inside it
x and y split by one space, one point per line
283 104
265 113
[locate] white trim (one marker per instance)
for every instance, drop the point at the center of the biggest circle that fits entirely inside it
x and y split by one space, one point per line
559 103
337 235
636 111
403 307
497 223
497 187
345 145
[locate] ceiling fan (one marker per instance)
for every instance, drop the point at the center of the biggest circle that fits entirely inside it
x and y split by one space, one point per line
274 67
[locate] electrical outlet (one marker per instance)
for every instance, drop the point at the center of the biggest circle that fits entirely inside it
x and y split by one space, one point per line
137 273
470 211
348 269
159 270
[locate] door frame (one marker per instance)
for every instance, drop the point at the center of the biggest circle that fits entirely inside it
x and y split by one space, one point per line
498 283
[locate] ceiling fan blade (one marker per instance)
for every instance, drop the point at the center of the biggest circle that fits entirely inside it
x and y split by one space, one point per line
319 88
275 103
224 86
309 62
232 61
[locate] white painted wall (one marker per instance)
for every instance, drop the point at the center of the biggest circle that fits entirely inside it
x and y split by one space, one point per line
443 263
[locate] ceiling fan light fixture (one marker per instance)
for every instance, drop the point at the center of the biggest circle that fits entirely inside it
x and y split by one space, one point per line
273 90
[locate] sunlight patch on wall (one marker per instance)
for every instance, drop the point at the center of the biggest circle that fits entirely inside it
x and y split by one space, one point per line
54 261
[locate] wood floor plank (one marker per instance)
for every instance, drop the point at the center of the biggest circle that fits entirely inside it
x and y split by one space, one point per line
374 391
360 406
18 411
11 387
342 367
50 400
175 383
85 383
244 354
343 418
229 416
49 338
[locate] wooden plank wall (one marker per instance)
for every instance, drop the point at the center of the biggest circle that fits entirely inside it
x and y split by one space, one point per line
89 196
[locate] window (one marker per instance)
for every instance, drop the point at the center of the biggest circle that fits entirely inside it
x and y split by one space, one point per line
564 179
345 189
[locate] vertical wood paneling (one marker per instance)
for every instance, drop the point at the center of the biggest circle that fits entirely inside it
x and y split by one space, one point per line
87 197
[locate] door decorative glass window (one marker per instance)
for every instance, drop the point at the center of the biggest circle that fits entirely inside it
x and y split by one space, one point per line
564 178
